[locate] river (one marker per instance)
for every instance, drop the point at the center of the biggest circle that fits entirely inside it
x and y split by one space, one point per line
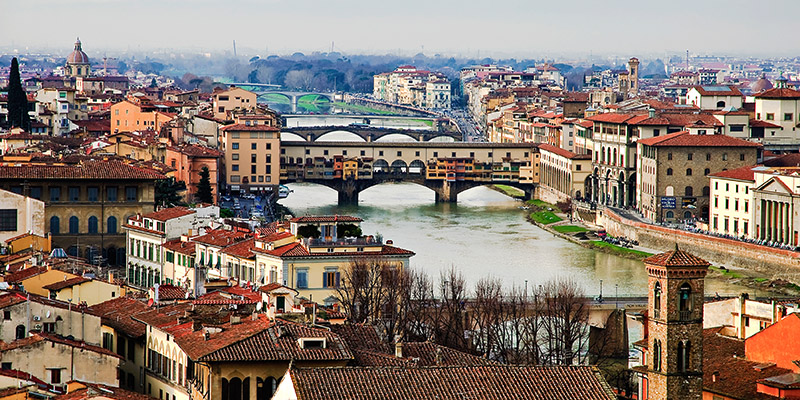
484 234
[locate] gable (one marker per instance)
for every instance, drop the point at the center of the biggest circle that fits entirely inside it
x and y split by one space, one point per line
775 185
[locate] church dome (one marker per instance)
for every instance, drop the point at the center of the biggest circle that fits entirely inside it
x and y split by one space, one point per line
761 85
78 56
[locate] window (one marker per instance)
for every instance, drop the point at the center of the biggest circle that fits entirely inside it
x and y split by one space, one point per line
669 156
8 220
330 278
112 193
688 172
735 204
55 376
788 116
92 193
20 332
669 171
724 156
685 301
5 365
235 167
689 156
111 225
715 223
657 355
746 204
670 215
706 171
657 300
73 224
741 156
93 225
656 132
706 190
74 193
253 146
302 278
235 145
235 156
130 193
770 116
688 191
253 170
6 316
108 341
708 156
683 356
55 194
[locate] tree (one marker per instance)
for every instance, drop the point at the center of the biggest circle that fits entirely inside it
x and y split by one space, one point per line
348 230
204 191
17 99
168 192
308 231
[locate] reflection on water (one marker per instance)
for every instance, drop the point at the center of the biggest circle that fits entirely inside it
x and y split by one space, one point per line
484 234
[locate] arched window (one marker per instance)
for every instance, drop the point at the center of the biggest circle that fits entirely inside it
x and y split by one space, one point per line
20 331
684 350
706 191
670 191
93 224
111 224
656 355
720 104
706 171
724 156
688 191
688 172
657 300
55 225
266 388
235 389
687 215
669 171
670 215
73 224
685 301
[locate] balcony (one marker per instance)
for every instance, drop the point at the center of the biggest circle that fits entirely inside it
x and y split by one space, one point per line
685 315
361 241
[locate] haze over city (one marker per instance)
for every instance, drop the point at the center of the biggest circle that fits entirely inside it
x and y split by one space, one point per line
468 28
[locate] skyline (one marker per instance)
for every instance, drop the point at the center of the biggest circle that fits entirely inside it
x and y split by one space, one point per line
524 29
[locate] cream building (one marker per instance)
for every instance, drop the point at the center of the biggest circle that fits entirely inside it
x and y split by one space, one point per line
563 173
23 313
714 97
780 106
19 215
252 149
232 99
731 207
777 205
412 86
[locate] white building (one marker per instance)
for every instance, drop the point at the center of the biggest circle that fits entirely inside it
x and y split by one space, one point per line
731 206
780 106
714 97
20 214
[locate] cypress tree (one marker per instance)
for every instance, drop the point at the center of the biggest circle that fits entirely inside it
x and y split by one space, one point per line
17 99
204 191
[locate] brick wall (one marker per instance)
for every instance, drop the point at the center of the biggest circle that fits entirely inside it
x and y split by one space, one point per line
773 262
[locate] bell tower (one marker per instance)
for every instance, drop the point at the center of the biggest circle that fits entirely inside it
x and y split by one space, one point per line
633 70
675 326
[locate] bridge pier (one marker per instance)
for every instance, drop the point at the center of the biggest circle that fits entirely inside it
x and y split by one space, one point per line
447 192
348 198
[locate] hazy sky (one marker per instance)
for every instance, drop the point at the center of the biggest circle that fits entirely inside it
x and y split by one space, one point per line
467 27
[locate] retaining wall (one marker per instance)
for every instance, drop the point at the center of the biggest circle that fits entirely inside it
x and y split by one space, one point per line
776 263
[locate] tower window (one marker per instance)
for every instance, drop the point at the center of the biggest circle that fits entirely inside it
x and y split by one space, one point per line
685 301
657 300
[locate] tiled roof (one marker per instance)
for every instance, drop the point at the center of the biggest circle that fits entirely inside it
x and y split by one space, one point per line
278 342
741 173
117 313
562 152
444 383
179 246
736 377
326 218
66 283
200 151
102 392
87 170
757 123
676 258
24 274
779 93
723 90
10 299
614 118
217 298
170 292
275 286
297 250
426 353
243 249
786 160
220 237
680 120
165 214
684 139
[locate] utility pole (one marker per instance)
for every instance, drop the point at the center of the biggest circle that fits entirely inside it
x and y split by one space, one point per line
234 47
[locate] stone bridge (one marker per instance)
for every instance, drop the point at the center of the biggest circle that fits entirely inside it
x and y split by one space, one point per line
370 134
293 96
513 164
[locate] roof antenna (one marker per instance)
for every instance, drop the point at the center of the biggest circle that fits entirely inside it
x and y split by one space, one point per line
676 246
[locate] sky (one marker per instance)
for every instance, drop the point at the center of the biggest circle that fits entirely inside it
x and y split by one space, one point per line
472 28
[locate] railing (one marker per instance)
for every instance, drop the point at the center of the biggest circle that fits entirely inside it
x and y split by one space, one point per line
361 241
685 315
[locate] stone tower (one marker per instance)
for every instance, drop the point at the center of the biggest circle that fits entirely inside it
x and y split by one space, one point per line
633 69
675 326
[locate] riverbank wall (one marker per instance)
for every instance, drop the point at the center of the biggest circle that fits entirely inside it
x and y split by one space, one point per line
771 262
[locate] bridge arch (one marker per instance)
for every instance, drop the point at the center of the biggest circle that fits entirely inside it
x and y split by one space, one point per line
396 137
416 167
264 95
318 95
380 165
399 165
340 135
442 139
288 136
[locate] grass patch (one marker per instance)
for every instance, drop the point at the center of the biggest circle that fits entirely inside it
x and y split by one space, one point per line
424 121
728 273
542 204
275 98
361 109
313 98
509 190
545 217
760 280
619 249
569 229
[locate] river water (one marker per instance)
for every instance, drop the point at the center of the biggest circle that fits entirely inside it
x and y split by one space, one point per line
484 234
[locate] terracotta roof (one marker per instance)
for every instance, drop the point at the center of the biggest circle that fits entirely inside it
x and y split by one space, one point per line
87 170
170 292
10 299
684 139
243 249
169 213
117 313
741 174
297 250
220 237
444 383
779 93
676 258
102 392
736 377
274 286
680 120
708 90
757 123
278 342
217 298
425 354
250 128
326 218
614 118
24 274
786 160
179 246
66 283
562 152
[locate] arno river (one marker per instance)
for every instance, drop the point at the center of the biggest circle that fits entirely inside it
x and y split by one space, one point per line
484 234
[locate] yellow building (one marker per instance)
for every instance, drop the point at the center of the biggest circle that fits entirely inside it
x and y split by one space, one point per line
83 290
252 154
232 99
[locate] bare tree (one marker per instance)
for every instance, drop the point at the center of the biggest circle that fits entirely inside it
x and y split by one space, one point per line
298 79
564 313
265 74
360 291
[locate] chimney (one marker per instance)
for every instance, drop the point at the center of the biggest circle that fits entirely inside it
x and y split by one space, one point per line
714 376
206 335
398 349
439 358
651 112
235 319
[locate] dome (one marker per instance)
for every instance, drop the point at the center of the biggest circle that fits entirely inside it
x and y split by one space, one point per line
78 56
761 85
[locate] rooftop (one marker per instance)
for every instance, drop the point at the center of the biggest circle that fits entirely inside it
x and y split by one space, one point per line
86 170
684 139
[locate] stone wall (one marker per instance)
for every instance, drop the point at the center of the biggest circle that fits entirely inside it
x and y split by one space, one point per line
776 263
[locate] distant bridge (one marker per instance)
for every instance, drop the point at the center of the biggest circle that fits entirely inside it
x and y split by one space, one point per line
262 89
367 134
379 162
